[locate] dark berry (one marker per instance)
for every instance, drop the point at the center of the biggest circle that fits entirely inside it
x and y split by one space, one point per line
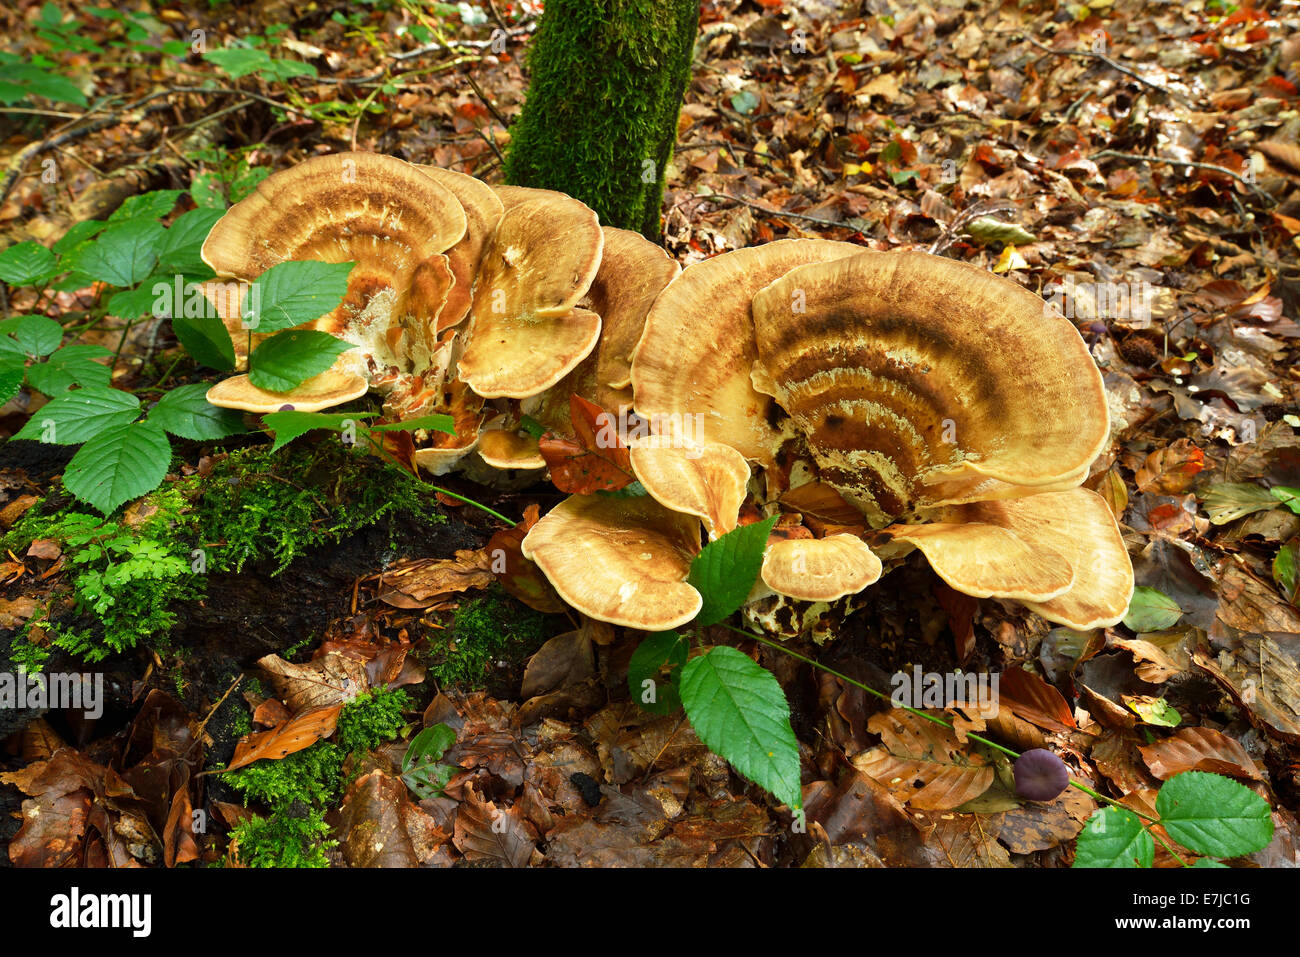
1040 775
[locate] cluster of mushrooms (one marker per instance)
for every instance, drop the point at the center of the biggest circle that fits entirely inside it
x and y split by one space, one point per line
879 402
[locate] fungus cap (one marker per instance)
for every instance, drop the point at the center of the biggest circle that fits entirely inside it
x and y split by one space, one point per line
620 560
367 207
919 380
330 388
1022 548
525 331
708 481
508 449
819 569
697 350
483 211
633 272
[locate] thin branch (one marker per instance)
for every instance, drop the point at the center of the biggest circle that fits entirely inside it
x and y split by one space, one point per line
1117 67
771 212
1139 158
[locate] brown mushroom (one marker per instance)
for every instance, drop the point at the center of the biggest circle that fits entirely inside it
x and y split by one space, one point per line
621 560
504 448
526 332
633 271
332 387
1021 548
919 381
696 352
708 481
819 569
482 213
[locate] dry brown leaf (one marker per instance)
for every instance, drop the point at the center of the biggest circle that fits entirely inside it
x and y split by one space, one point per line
485 833
294 735
421 582
1030 697
1199 749
922 763
333 678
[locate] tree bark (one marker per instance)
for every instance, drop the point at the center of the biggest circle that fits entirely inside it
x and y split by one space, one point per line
600 118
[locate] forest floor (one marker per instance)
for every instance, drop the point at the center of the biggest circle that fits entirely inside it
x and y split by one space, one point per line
1145 158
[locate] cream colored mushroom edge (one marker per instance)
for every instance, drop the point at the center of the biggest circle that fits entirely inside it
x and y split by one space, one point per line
871 403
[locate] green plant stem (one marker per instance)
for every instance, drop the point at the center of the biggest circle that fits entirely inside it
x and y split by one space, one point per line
384 453
929 717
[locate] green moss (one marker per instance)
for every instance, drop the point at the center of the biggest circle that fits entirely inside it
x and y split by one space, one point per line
370 720
600 118
284 840
309 777
482 631
131 574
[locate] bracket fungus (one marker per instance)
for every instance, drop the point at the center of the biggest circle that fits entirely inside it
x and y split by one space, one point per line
696 352
946 404
526 332
386 216
620 560
892 401
921 381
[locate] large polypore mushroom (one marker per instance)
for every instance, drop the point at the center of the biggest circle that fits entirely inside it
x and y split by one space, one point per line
526 331
921 381
392 220
924 390
621 560
692 363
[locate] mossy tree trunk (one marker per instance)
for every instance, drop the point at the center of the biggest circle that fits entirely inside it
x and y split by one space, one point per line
600 118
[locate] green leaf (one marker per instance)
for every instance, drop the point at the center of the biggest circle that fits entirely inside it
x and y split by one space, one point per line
744 102
740 713
630 490
185 411
78 234
123 255
654 652
1154 711
1213 815
287 426
26 264
295 292
37 335
1290 497
1285 566
532 426
987 230
1230 501
725 570
1151 610
240 61
80 415
181 245
152 205
290 358
420 768
206 339
11 380
69 366
131 303
1204 862
119 464
433 423
1114 838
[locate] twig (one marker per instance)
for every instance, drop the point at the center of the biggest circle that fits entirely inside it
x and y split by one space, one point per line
1139 158
486 102
1118 67
771 212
